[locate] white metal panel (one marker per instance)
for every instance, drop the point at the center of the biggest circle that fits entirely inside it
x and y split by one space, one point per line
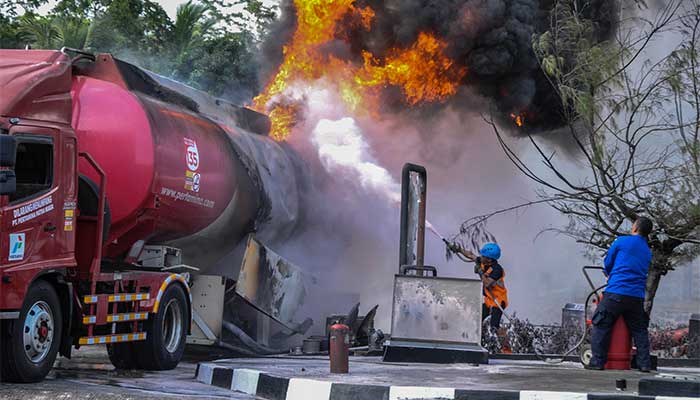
437 309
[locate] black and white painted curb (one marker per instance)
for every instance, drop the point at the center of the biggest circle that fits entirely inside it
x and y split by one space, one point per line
272 387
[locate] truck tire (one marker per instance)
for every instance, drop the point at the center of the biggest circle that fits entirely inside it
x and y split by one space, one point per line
123 355
165 332
30 344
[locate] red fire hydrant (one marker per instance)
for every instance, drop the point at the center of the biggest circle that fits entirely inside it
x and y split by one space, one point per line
620 352
339 348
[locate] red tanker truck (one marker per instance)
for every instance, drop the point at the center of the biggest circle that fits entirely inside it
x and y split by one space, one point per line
115 184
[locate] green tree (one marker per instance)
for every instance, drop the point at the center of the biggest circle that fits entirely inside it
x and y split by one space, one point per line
133 27
12 8
205 46
39 32
224 67
250 16
156 27
84 9
72 31
192 25
9 33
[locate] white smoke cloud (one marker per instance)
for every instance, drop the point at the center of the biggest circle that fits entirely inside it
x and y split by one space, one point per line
342 149
351 239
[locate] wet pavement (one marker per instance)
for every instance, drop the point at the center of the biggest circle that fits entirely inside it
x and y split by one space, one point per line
89 375
498 375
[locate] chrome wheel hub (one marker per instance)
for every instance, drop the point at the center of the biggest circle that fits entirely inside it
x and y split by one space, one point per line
38 331
172 326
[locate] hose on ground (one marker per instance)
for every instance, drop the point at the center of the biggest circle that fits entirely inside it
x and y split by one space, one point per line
548 360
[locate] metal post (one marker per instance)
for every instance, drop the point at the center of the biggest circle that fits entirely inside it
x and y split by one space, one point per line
410 222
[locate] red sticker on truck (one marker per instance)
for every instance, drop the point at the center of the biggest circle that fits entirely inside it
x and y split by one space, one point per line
192 157
192 177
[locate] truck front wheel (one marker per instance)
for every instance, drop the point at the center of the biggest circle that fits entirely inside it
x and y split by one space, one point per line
165 332
30 344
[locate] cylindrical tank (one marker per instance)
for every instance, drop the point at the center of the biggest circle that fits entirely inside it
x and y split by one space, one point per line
339 348
177 176
694 336
620 351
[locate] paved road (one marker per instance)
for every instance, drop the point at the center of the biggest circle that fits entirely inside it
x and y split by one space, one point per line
89 375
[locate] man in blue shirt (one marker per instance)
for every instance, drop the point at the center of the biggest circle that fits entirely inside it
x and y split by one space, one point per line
626 266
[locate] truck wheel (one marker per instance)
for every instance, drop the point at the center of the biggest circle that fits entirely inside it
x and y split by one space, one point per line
30 344
165 332
123 355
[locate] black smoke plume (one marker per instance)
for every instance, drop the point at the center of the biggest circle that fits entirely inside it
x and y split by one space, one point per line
491 38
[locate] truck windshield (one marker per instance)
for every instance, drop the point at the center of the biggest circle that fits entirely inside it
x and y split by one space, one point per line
34 169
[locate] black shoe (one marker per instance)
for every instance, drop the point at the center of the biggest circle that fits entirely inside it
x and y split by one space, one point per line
645 369
594 367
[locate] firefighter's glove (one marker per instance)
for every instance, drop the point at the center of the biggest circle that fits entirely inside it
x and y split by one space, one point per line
454 247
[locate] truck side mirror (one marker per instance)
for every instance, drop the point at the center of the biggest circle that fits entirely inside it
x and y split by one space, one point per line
8 151
8 182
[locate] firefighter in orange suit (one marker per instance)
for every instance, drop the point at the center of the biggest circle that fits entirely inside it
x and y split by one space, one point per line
493 277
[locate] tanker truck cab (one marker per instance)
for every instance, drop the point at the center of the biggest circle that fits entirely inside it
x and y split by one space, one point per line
37 178
58 290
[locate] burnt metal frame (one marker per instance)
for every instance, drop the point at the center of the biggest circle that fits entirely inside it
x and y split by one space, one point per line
403 243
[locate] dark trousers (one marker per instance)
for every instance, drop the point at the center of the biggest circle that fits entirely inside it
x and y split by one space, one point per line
495 314
632 310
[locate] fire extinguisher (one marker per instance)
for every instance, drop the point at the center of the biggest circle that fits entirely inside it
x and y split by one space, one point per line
620 351
339 348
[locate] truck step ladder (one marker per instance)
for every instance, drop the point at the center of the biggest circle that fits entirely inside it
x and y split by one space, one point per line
116 298
123 317
116 338
98 306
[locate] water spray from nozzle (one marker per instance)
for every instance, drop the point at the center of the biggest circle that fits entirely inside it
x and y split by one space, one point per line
448 245
435 231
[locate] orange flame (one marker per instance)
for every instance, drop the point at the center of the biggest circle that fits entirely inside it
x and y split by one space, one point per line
422 71
519 119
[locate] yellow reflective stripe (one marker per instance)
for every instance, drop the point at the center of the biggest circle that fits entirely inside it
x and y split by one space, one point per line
128 337
117 318
164 285
127 317
115 298
161 291
128 297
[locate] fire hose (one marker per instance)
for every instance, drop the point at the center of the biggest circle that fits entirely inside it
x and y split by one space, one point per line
585 318
578 344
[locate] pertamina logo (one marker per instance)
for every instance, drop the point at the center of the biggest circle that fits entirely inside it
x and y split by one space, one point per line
17 246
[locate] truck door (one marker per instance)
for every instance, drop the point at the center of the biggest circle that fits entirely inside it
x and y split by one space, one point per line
33 213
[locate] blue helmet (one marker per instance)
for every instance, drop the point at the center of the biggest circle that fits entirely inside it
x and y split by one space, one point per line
491 250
